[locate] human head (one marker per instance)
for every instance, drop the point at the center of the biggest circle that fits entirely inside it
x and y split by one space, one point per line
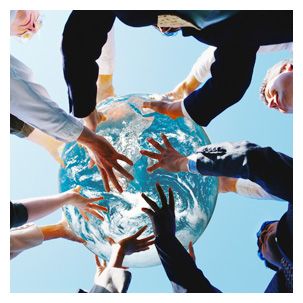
277 87
25 23
268 250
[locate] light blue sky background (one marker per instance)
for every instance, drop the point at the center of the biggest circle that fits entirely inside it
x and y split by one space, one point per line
147 62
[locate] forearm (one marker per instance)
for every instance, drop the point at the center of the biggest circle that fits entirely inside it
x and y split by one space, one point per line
43 206
82 87
51 231
117 256
226 86
270 169
180 267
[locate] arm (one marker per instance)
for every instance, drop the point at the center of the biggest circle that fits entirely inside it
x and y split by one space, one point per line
264 166
40 207
231 76
178 264
80 52
180 267
31 103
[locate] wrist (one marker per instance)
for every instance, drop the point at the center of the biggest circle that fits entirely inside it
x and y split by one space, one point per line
51 231
87 137
117 256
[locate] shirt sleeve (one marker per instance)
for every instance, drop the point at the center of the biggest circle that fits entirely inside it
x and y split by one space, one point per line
106 61
201 68
272 170
24 237
231 74
180 268
31 103
247 188
18 214
276 47
112 280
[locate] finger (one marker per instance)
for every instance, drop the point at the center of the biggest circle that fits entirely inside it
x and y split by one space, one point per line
165 141
146 239
155 144
83 214
150 202
103 263
92 200
97 261
161 195
154 167
60 161
125 159
171 200
77 189
138 249
94 213
78 239
123 171
98 207
105 179
139 232
110 240
91 163
150 154
191 250
148 211
114 180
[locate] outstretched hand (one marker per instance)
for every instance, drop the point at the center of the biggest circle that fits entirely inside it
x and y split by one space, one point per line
85 205
168 108
163 219
168 158
106 158
128 246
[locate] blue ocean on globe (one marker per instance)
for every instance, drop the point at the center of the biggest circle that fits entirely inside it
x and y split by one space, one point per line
127 127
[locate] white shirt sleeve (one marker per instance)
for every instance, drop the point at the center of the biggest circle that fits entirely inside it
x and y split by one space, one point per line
31 103
24 237
106 61
112 280
276 47
247 188
201 68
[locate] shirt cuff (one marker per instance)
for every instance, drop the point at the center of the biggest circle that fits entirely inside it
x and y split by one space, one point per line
192 163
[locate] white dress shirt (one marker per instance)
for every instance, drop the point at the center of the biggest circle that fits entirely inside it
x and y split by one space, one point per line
31 103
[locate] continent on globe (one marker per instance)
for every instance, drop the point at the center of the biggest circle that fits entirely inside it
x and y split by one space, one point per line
127 127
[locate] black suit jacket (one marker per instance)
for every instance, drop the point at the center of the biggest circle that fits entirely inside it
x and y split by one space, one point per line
237 36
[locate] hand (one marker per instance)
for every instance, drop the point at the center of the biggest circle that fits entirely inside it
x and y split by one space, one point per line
128 246
168 158
105 157
227 184
191 250
93 119
85 205
100 267
67 233
163 219
171 109
179 92
131 244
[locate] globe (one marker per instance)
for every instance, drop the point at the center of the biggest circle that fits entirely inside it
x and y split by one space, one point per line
127 127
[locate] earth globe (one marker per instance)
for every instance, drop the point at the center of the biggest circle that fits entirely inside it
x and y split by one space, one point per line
127 127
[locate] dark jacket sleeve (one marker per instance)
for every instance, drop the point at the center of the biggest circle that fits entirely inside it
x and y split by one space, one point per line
270 169
18 214
84 35
19 128
180 267
231 75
